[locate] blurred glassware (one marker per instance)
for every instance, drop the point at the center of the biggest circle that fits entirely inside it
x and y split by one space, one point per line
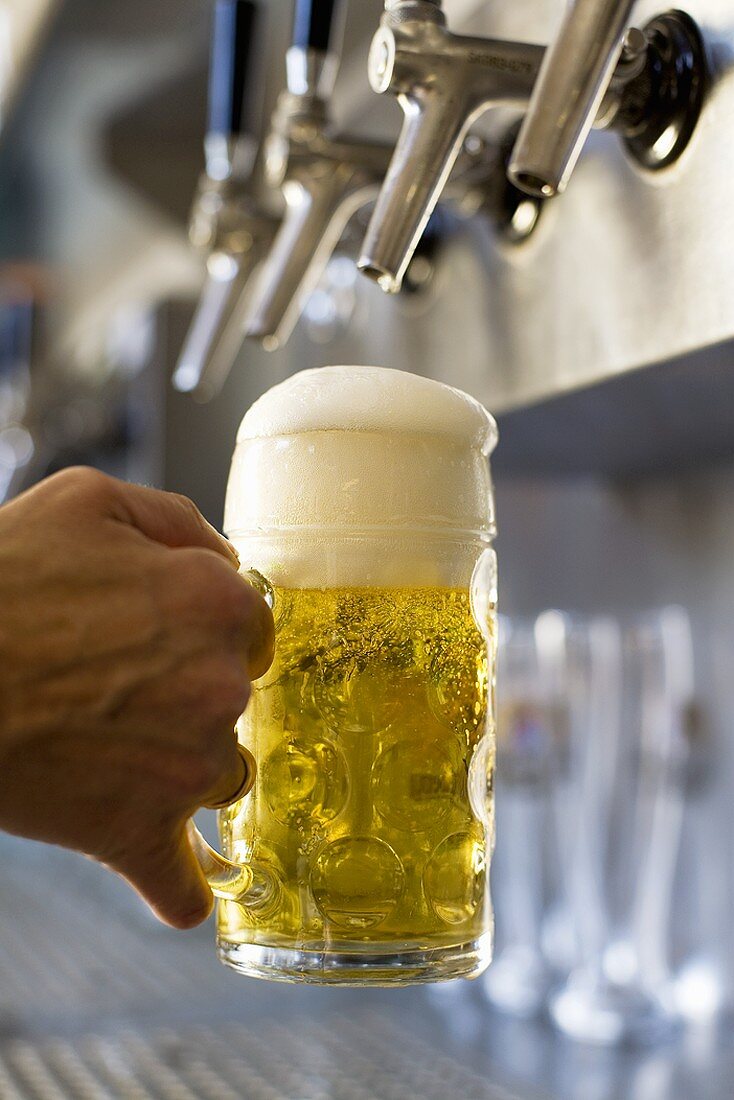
329 311
620 793
16 442
532 723
698 987
61 412
16 322
22 24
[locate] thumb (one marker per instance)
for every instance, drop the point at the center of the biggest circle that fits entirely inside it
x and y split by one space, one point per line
169 879
169 519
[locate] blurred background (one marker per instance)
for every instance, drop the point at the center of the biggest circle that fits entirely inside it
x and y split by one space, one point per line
598 328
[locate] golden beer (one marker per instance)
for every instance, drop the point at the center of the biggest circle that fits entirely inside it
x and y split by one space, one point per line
364 730
360 501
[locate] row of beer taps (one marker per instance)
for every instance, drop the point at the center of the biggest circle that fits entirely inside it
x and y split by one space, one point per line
266 255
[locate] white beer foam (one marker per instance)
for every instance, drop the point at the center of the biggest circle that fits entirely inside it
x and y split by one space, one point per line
362 448
369 399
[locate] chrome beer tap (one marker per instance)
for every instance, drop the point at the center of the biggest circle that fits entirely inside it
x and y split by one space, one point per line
228 225
324 177
647 85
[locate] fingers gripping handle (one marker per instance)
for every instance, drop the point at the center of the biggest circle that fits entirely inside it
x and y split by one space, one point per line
251 884
254 885
227 880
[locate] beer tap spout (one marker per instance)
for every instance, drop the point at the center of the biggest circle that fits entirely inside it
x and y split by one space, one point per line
228 226
443 82
324 178
647 85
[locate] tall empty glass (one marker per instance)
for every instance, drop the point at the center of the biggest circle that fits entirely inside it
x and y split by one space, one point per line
360 502
620 798
532 726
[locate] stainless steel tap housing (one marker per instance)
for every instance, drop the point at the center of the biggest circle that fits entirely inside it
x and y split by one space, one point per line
324 179
443 83
234 233
575 75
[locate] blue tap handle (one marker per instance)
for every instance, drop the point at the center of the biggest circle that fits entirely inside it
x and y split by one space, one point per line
315 22
232 65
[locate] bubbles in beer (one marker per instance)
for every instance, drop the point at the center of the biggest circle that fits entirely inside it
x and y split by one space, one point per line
361 728
457 689
455 877
416 782
305 781
353 699
357 882
360 674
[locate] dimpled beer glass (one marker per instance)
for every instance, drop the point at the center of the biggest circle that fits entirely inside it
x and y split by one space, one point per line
360 503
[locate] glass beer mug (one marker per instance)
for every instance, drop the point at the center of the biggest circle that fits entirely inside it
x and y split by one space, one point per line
360 503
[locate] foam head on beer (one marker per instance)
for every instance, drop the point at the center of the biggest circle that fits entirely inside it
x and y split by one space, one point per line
361 449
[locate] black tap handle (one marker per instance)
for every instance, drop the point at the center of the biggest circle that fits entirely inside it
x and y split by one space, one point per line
315 22
232 65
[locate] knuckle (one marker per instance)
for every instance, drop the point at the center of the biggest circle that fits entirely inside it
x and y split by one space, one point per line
83 481
214 683
194 579
205 572
209 735
245 604
205 772
187 506
212 583
231 695
211 765
249 614
223 760
193 774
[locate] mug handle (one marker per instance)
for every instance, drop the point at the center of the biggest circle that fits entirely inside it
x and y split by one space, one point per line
250 884
253 885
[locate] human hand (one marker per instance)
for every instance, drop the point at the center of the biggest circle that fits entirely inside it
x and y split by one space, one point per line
127 646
